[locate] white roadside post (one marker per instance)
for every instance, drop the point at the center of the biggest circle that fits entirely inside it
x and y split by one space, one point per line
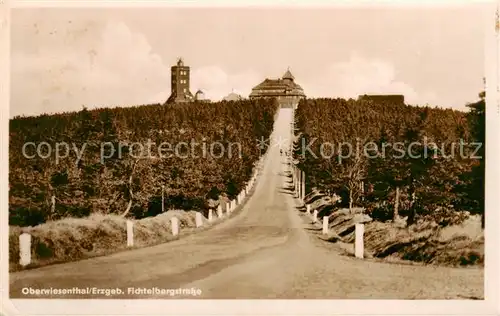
308 209
175 226
298 183
299 176
359 245
130 233
315 216
294 179
24 249
228 207
303 185
219 211
199 221
210 215
325 225
163 199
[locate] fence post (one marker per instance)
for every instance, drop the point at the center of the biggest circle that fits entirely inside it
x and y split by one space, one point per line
303 185
219 211
24 249
198 219
308 209
296 180
299 180
53 204
175 226
325 225
130 233
162 198
210 215
315 216
359 245
299 184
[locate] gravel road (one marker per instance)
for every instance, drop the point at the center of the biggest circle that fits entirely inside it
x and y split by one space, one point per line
263 252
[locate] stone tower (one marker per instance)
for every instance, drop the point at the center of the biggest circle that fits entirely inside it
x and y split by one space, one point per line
179 83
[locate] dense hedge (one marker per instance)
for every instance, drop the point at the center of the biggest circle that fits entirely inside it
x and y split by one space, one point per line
106 170
435 180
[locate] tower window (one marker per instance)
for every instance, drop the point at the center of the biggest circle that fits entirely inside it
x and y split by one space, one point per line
185 90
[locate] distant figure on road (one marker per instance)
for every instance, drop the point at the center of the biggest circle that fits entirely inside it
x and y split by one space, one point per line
281 152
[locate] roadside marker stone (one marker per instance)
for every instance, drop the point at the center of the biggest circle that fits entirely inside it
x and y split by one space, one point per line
325 225
130 233
175 226
359 245
24 249
199 221
210 215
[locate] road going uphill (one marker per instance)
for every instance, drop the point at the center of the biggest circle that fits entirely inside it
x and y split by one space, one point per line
263 252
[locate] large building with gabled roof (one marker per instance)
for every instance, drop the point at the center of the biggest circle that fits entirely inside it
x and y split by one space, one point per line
285 90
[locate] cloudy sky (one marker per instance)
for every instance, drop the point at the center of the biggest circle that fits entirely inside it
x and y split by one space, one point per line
63 59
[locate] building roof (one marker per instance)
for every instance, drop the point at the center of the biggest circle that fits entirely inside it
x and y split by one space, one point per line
277 87
233 97
288 75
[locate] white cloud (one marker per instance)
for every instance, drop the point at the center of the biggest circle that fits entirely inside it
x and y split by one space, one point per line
360 75
119 70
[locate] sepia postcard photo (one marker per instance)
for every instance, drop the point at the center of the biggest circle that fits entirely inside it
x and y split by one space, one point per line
188 158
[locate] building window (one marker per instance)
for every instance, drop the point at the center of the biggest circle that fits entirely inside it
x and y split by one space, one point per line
185 90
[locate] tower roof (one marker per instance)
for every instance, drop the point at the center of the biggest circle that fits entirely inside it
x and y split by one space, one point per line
180 62
288 75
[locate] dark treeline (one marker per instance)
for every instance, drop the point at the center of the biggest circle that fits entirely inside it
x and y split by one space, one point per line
129 179
441 178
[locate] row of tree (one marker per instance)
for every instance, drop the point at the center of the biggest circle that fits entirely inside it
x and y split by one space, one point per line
110 168
402 160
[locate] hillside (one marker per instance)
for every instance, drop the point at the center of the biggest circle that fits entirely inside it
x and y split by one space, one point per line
115 161
405 167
